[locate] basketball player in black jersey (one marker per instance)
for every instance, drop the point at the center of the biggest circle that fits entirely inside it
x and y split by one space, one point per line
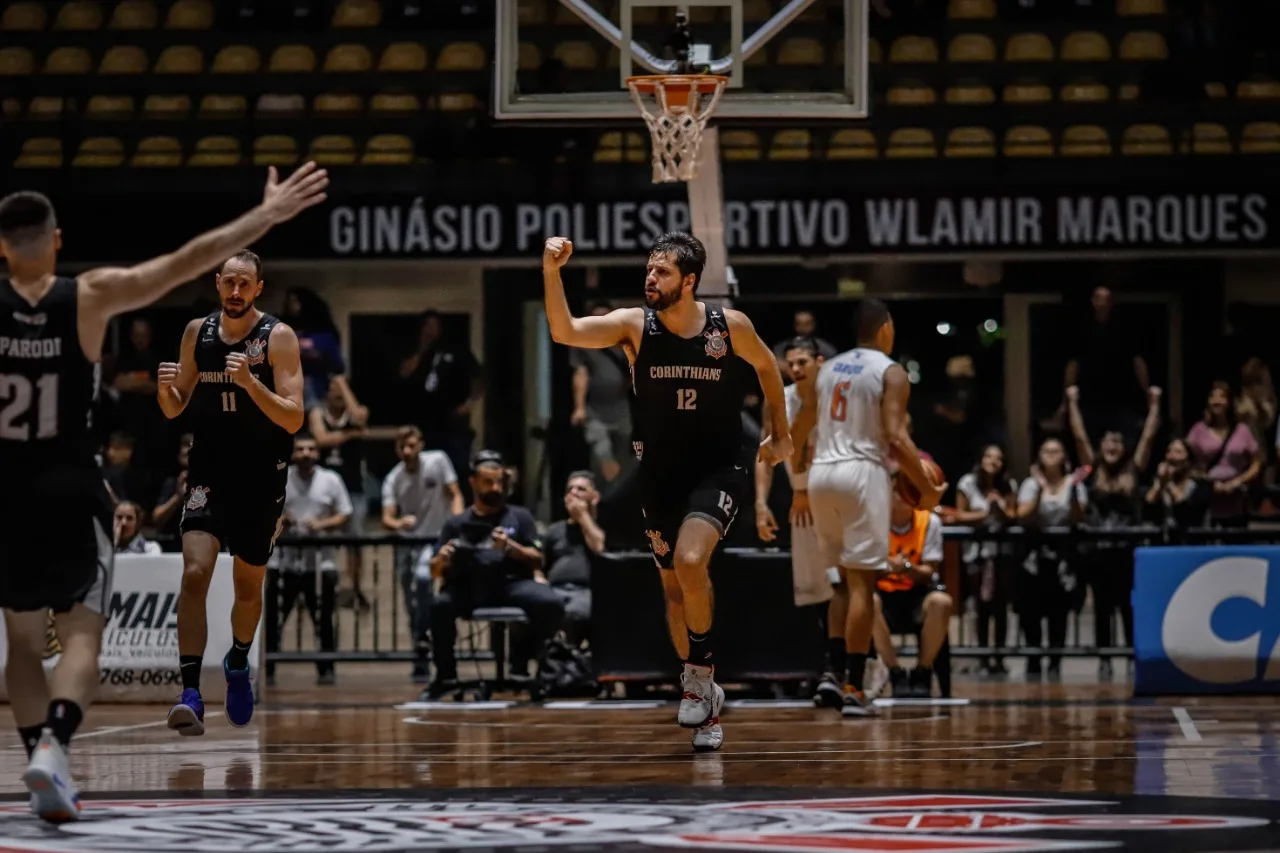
240 371
55 514
691 367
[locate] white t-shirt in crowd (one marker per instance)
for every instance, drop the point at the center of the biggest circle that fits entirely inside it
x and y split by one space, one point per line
421 493
1054 509
324 495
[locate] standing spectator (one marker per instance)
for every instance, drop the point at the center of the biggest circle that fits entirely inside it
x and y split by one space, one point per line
418 495
126 480
318 341
444 382
602 405
168 509
1256 406
804 326
1048 587
339 426
567 547
134 387
128 534
1177 500
1229 457
315 502
1109 371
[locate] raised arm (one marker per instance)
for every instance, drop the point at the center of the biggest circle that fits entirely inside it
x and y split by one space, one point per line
359 414
1083 448
175 382
284 405
617 327
776 443
893 414
1142 453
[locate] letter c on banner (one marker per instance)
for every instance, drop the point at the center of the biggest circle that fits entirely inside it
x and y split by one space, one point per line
1187 633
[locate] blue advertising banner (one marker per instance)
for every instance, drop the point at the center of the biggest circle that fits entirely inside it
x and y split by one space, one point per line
1207 620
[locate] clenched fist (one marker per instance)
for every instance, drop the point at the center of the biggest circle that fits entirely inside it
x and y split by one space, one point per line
167 374
238 369
556 252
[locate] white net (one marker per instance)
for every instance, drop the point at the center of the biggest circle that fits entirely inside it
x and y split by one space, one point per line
676 109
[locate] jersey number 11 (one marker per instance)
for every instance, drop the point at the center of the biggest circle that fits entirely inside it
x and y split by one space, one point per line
228 401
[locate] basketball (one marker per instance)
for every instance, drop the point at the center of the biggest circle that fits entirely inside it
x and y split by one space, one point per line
907 489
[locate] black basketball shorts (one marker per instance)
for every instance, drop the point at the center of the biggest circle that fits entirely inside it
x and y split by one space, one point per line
242 506
673 493
904 610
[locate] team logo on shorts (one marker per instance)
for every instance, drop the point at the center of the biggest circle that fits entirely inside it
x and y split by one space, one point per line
198 497
716 343
256 351
657 543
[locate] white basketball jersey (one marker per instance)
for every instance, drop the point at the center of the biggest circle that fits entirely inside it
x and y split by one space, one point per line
849 390
792 396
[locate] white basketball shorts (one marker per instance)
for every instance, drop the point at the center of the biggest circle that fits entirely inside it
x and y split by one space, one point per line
851 504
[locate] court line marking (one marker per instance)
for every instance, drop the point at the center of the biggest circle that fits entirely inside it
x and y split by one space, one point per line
111 730
1189 730
737 724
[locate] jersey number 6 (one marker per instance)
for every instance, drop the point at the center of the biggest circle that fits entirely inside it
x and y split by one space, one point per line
840 401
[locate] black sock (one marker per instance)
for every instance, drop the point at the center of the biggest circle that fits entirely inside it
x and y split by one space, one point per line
836 655
699 649
190 666
854 667
64 718
238 657
30 736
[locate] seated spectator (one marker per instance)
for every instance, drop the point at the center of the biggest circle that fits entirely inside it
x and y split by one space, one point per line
339 425
907 597
318 342
491 557
566 552
126 481
1177 500
134 388
129 539
1229 457
168 509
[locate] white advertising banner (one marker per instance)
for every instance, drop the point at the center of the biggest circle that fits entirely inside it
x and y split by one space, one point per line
139 661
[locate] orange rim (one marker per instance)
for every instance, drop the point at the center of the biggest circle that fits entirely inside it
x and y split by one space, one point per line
677 86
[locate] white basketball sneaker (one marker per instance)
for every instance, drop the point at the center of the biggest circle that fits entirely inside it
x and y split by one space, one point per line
876 677
710 737
53 793
697 701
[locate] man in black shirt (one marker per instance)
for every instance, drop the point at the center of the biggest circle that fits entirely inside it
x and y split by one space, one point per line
1109 370
567 547
491 557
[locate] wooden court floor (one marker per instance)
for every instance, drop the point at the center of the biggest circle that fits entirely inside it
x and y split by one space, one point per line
1026 752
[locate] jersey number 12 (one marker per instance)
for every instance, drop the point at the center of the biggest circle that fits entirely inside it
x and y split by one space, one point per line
686 399
18 392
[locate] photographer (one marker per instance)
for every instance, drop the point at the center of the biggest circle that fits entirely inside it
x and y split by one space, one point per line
491 557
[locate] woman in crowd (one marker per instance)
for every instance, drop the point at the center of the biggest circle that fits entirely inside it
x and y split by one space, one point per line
1227 453
1177 499
318 340
985 499
1047 585
1256 406
1114 495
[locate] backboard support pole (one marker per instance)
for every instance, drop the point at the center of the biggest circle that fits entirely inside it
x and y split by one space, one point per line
706 220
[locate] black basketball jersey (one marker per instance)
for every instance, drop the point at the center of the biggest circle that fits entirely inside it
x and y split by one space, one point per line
48 388
689 394
226 423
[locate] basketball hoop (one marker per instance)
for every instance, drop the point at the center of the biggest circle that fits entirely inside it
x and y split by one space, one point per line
684 104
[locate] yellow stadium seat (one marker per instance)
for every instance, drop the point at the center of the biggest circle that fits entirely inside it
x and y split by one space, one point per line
215 152
395 102
27 16
1207 138
180 59
341 104
1027 93
1028 47
236 59
1130 91
801 52
275 150
1139 8
348 59
44 107
913 49
277 105
1146 140
970 94
911 143
971 47
223 106
791 145
333 150
123 59
403 56
292 59
739 145
41 152
618 147
157 152
1086 47
192 15
531 57
109 107
388 149
531 13
875 53
911 96
99 152
577 55
970 142
1143 47
357 13
79 15
462 56
166 106
134 15
1215 91
10 108
458 102
1085 93
1258 90
16 62
1260 137
852 144
971 9
1028 140
1085 140
68 60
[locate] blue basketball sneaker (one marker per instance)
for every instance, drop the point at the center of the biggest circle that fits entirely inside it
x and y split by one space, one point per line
187 717
239 695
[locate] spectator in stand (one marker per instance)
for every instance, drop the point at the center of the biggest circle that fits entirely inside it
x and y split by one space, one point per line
602 405
1109 371
1047 585
1114 495
418 496
339 426
567 547
805 326
128 533
1256 406
1177 499
134 388
127 481
168 509
986 498
318 342
1225 451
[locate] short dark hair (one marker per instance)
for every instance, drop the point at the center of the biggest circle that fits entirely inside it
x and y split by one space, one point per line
303 435
872 314
405 433
26 217
580 475
120 438
248 257
803 342
687 251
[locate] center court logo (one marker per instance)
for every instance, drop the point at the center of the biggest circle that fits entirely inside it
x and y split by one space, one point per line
909 822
